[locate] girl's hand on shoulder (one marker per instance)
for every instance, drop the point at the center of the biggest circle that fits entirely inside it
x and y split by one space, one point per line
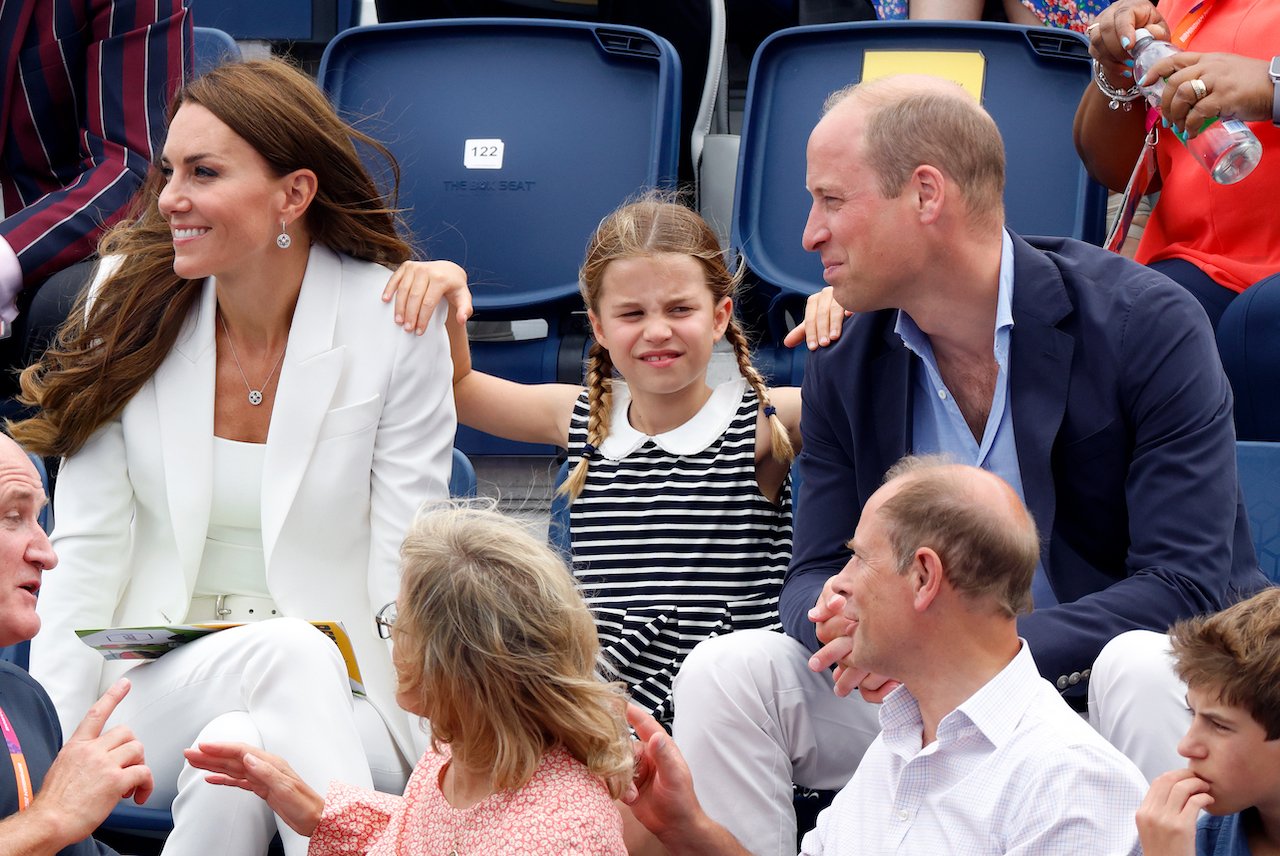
823 321
1167 817
417 287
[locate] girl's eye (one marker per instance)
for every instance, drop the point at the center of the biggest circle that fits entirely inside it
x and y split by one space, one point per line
680 310
205 172
167 172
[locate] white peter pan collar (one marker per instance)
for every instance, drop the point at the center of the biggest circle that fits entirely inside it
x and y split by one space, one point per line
709 423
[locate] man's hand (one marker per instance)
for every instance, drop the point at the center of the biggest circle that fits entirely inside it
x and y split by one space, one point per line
418 286
92 773
1167 817
823 321
269 776
1111 36
828 614
661 795
848 676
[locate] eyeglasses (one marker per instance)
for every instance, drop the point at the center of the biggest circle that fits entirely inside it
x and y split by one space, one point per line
385 620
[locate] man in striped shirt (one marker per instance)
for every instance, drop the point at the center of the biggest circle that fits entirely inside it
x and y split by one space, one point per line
82 102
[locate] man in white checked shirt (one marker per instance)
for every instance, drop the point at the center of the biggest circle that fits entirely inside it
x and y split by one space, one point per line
978 754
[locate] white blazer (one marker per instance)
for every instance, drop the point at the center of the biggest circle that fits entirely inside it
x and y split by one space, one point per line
361 434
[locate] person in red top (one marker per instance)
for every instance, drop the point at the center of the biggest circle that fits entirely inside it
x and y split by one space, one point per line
1216 240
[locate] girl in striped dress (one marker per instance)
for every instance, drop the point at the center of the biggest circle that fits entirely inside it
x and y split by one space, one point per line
680 521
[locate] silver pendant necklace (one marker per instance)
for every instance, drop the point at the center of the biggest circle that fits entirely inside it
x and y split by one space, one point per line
255 395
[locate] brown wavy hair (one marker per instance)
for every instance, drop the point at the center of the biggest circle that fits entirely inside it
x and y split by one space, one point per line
495 643
114 341
654 224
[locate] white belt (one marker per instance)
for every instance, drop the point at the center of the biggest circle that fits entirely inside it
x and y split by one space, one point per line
231 607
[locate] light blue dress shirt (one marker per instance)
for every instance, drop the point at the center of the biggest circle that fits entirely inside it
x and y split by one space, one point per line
937 424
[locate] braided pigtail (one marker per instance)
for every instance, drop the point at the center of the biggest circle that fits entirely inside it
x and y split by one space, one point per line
599 416
780 438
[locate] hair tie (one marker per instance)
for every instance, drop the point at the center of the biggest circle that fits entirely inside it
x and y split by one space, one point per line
770 410
587 450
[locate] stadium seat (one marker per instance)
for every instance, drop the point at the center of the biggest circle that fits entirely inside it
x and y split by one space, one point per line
212 48
508 166
308 21
1250 352
462 478
1030 80
1259 466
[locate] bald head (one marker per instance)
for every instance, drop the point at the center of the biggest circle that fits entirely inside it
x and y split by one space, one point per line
910 120
972 519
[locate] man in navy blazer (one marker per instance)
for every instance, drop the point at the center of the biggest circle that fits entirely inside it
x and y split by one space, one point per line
1089 383
52 795
82 102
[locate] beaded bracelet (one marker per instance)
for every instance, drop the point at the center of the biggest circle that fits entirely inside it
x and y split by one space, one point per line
1117 96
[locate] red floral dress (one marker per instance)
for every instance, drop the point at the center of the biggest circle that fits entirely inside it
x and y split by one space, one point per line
562 809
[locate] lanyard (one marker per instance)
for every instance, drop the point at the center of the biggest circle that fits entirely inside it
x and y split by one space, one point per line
20 771
1190 23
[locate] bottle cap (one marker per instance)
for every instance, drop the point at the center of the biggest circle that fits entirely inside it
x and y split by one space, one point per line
1142 33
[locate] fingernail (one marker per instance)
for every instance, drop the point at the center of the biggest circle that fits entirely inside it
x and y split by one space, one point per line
250 760
1128 74
1164 121
1129 63
825 341
1124 42
399 319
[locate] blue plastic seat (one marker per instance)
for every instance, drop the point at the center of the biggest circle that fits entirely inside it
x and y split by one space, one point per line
1259 466
313 21
1032 77
213 47
514 139
462 478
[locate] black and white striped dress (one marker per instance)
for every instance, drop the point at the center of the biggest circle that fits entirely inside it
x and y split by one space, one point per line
672 540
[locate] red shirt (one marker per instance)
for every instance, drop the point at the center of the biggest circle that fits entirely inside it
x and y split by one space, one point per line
1231 232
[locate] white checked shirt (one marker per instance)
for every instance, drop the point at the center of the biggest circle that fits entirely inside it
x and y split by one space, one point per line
1014 771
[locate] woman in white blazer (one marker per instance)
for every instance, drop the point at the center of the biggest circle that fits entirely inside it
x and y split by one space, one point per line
245 436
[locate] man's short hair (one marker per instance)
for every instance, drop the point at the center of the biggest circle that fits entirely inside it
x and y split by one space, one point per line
951 132
986 552
1235 654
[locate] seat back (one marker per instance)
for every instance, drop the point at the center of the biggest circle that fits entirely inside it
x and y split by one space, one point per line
462 478
213 47
1031 80
1259 467
514 138
311 21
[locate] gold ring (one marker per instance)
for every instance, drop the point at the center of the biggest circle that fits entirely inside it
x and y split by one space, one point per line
1198 87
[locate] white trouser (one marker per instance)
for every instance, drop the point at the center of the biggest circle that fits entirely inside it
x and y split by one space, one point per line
278 684
1138 702
751 719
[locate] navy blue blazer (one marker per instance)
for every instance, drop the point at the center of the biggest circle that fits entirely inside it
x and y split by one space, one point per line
1122 419
36 724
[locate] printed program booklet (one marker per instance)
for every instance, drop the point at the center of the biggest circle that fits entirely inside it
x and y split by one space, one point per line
150 643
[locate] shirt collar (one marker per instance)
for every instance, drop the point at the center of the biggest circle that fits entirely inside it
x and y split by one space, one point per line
994 710
706 426
916 340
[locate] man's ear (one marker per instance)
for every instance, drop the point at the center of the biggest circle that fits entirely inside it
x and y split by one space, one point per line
925 576
930 188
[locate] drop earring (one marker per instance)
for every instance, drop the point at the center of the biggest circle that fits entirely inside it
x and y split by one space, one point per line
283 241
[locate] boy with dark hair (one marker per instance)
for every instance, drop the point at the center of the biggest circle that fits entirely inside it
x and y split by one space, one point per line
1230 662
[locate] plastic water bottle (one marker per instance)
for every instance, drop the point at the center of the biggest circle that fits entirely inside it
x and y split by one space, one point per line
1225 146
